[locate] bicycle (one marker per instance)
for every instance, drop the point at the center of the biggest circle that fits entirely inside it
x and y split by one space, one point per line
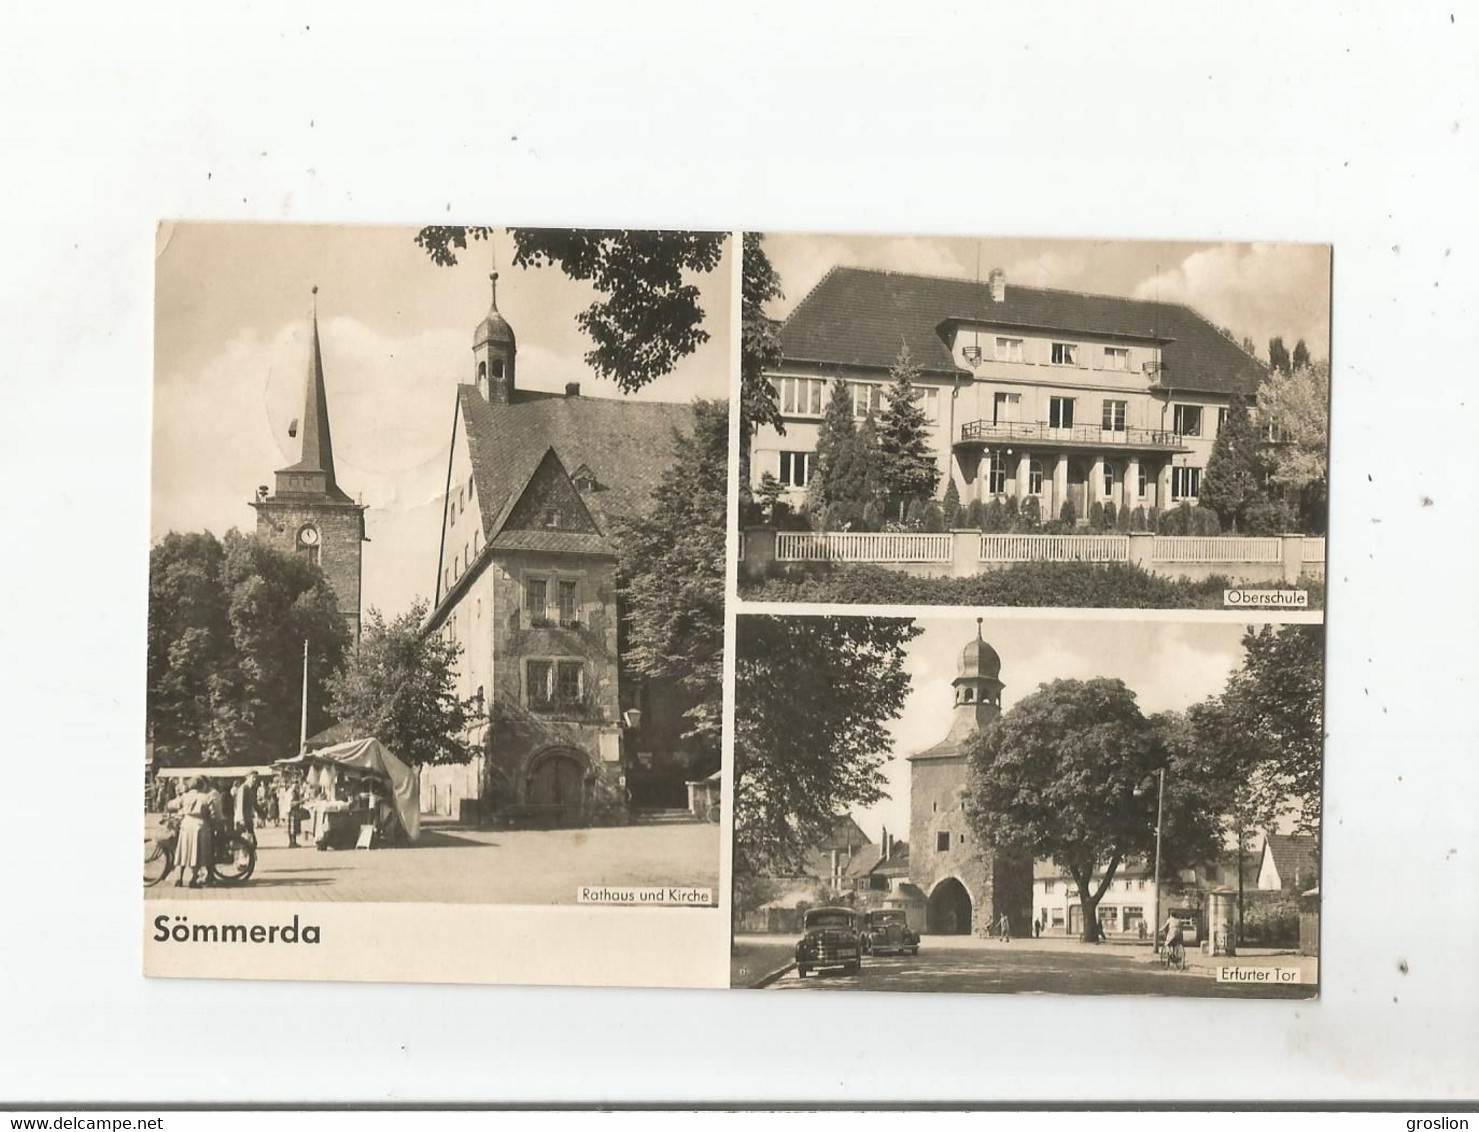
1173 956
234 857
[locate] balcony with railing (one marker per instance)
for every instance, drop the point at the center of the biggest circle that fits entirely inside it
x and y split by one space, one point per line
1043 434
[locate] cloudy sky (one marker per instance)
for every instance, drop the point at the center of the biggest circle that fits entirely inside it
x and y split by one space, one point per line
1258 290
1168 664
231 357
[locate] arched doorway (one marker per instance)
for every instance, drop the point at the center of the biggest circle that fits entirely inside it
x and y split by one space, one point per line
556 788
949 911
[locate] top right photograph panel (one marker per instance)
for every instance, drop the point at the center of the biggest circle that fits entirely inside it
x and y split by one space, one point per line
1020 422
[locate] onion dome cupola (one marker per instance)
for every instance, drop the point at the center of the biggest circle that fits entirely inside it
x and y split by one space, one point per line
494 350
977 680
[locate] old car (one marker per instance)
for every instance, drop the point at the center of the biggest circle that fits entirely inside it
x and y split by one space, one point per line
886 932
831 940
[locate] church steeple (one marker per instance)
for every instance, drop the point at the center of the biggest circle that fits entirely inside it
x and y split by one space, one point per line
494 352
313 474
309 513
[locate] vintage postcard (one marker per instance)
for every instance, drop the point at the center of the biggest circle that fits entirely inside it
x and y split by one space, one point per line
1013 804
436 603
1013 422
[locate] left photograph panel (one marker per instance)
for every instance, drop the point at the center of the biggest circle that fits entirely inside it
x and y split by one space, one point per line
436 600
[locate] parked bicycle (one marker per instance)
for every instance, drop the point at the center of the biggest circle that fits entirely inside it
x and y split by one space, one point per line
233 856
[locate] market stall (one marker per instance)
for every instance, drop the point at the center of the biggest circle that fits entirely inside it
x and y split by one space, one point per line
359 795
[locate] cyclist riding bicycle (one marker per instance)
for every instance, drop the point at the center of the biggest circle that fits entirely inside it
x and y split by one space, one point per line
1172 941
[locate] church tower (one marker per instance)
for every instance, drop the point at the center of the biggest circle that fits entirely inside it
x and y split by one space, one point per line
494 352
307 512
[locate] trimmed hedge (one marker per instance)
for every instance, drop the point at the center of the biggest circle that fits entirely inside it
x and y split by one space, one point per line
1063 584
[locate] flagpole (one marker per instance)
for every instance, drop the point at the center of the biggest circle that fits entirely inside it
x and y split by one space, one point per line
303 726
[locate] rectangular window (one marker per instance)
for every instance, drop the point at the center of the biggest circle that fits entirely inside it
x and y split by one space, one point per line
1144 478
1221 418
1048 886
1034 477
452 507
866 398
930 403
1116 357
1134 917
1108 479
998 484
569 683
1009 349
1065 354
802 396
569 603
1060 412
795 469
536 598
541 683
1187 420
942 842
1057 915
1114 416
1186 483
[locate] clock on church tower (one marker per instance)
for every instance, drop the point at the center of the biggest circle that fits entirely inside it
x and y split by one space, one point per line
308 513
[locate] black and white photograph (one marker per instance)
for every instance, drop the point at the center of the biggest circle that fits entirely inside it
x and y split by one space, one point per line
1023 805
436 582
1017 422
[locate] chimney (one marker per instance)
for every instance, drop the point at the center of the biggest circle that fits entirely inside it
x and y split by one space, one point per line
572 389
998 281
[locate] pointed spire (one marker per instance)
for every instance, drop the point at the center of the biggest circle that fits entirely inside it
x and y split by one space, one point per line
318 446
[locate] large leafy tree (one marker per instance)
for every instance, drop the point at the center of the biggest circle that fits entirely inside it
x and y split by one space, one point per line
1295 407
672 575
648 317
227 622
1275 704
400 687
906 456
1233 483
1070 773
812 698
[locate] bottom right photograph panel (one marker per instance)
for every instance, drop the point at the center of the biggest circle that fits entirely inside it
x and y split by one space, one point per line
995 805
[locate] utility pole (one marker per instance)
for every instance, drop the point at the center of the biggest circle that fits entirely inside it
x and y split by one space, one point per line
1160 803
303 724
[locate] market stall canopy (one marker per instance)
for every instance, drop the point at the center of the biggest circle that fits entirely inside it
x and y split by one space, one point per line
214 771
370 755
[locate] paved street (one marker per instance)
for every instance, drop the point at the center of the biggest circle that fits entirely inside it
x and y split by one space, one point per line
453 865
964 965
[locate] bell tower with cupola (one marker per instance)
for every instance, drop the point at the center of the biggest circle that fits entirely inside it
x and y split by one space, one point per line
977 688
494 352
308 513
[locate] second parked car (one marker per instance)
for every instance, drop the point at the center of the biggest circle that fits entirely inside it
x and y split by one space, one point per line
887 932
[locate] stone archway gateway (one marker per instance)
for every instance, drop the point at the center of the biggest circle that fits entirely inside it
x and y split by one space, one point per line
556 788
949 910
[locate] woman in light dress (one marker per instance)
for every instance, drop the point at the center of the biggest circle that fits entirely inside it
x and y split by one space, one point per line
193 847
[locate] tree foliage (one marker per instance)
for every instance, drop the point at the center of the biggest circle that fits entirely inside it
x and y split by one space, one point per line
671 574
906 455
648 317
837 477
400 687
812 697
227 622
1069 772
1278 356
1296 407
1275 704
1233 481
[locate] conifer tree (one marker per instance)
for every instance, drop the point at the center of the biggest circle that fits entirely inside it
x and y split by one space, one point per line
908 464
867 463
833 480
951 507
1232 483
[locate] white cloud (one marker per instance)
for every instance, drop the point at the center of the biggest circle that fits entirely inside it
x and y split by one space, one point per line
1047 269
1258 290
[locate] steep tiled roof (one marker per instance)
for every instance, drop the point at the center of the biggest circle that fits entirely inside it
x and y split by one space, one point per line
859 317
1294 857
625 444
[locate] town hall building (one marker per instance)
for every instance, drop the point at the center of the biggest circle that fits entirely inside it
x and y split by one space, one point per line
538 488
1030 392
